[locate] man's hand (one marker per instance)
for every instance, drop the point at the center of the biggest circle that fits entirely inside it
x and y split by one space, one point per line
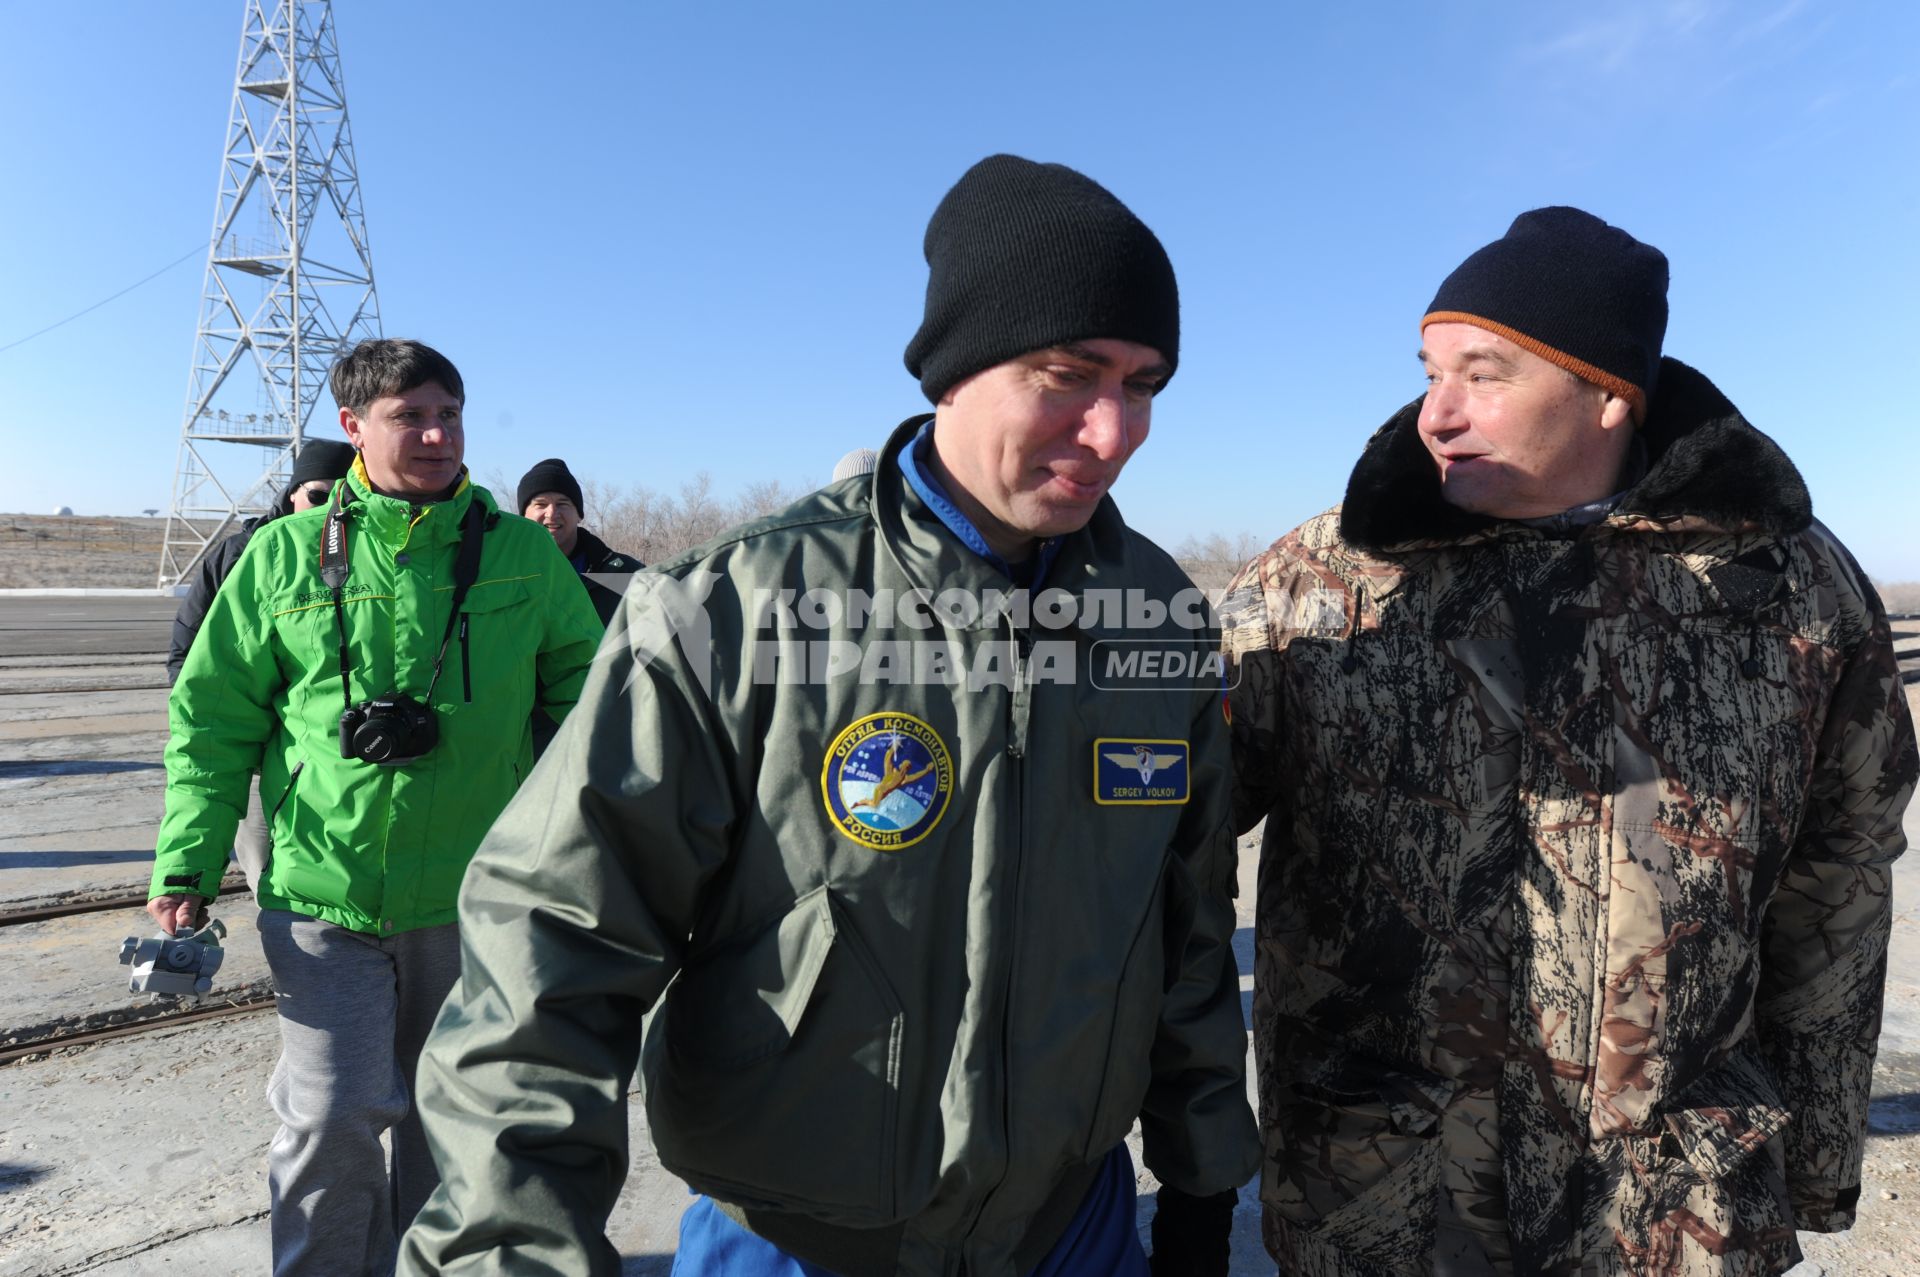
1190 1234
178 913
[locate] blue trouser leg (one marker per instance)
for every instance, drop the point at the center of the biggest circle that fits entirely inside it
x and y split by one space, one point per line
1103 1236
1100 1241
713 1245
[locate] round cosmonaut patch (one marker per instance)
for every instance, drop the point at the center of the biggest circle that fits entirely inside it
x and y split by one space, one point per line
887 781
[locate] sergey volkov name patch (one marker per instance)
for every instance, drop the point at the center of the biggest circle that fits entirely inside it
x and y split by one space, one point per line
1133 772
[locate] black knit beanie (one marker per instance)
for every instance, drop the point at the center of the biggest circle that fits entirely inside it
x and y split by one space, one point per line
1022 256
321 461
550 475
1573 290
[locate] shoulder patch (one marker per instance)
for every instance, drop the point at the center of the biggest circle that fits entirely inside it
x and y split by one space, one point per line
1131 771
887 781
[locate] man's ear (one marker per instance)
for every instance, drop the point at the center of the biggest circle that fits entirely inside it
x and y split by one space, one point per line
351 425
1615 412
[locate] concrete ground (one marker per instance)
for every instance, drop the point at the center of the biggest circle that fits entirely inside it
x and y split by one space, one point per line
32 625
146 1155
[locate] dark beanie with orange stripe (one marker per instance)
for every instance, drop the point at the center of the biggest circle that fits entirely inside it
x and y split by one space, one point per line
1573 290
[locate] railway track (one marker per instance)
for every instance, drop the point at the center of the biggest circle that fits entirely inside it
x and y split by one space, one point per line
39 1047
74 691
39 1037
93 904
1909 657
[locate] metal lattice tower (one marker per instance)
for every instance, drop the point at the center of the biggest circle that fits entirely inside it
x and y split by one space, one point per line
289 282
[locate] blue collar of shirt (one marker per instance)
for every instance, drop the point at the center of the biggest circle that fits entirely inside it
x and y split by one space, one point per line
1585 516
916 463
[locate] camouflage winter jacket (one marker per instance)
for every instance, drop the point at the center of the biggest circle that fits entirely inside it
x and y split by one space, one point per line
1574 898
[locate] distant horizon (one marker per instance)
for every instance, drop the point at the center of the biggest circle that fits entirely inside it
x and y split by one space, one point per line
711 260
1174 548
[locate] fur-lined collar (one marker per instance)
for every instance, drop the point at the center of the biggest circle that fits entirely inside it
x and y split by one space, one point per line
1704 461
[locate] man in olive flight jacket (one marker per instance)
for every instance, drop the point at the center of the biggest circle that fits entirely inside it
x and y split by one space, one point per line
924 866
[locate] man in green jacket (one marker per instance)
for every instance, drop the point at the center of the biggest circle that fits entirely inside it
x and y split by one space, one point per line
926 916
376 660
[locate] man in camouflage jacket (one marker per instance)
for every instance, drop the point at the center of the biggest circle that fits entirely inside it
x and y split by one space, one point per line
1583 756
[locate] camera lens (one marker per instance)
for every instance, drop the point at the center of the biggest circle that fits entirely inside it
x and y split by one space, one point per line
374 742
390 731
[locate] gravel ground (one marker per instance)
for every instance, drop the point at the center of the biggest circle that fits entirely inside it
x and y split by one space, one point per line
1885 1242
46 551
95 1164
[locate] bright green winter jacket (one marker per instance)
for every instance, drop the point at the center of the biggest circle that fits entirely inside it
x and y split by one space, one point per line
897 1036
376 849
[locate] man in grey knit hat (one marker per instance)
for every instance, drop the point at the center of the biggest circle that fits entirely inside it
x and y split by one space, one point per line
926 917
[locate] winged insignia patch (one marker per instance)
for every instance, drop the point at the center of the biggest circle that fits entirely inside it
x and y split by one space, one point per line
1139 772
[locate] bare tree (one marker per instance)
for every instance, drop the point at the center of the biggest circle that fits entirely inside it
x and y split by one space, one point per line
655 526
760 499
1212 560
1902 598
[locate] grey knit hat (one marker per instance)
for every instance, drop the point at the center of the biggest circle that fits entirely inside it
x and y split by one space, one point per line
859 461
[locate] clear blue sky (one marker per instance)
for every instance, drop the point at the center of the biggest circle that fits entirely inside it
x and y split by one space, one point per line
662 238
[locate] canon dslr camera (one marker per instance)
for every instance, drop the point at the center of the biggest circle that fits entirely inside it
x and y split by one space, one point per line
389 730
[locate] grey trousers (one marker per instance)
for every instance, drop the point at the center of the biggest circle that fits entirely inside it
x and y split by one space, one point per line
354 1012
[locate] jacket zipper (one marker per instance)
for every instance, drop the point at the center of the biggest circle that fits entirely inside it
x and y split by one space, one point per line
1017 756
466 665
285 794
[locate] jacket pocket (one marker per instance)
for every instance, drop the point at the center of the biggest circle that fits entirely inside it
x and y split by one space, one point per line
1711 1165
495 640
279 834
1128 1067
1719 754
1355 1159
293 778
773 1071
1724 1118
1408 714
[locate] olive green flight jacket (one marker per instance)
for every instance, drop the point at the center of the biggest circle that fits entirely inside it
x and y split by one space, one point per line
891 1037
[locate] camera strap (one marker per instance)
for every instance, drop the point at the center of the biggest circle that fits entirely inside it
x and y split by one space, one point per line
335 567
466 570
